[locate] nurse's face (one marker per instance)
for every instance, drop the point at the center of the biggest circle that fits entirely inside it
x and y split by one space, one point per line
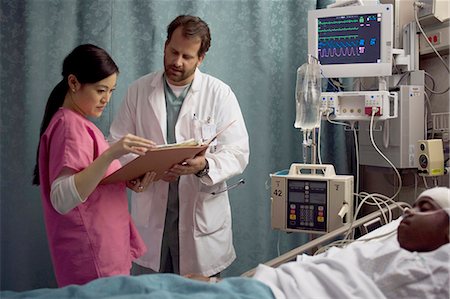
424 228
181 58
90 99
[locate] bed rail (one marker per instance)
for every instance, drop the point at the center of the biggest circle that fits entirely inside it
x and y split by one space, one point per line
290 255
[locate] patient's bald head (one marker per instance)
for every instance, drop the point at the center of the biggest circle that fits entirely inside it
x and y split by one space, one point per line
426 226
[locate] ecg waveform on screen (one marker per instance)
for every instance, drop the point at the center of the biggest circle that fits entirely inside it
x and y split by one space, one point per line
348 39
340 48
338 52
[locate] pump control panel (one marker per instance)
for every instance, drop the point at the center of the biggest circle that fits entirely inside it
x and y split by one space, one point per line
314 201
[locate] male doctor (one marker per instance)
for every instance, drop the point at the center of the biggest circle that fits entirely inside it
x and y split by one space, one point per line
185 218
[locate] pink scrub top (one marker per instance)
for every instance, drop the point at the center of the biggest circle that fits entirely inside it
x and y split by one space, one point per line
97 238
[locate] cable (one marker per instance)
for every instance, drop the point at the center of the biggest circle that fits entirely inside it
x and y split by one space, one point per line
337 86
434 85
416 183
425 182
370 195
335 122
431 77
319 155
386 133
435 181
278 243
376 199
437 92
355 137
375 110
428 119
402 77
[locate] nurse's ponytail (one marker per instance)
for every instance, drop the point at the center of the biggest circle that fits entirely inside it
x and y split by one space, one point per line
89 64
54 102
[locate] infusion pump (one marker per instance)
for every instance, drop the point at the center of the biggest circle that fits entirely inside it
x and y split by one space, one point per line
311 198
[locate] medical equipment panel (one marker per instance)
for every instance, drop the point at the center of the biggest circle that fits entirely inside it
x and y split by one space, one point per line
352 42
359 105
396 138
311 198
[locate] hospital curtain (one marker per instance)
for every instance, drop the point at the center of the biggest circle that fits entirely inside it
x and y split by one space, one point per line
257 47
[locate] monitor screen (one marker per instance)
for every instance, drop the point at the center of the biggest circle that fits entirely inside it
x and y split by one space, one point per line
352 41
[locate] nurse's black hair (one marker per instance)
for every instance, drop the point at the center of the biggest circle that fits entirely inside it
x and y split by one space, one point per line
89 64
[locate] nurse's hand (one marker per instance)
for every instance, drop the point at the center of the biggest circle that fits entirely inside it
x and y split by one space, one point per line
141 184
130 144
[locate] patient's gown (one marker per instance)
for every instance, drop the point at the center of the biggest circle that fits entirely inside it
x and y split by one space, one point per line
374 269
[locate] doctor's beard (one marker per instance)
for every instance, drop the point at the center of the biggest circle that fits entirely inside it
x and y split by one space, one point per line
179 75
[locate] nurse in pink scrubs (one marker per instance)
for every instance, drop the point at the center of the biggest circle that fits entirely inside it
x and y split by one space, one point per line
89 228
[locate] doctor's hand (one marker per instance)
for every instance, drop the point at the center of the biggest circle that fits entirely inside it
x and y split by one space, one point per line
189 166
141 184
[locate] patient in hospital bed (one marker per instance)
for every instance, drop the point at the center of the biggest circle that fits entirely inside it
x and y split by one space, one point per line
410 260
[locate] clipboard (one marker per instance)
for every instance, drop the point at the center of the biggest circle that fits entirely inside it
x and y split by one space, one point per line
159 159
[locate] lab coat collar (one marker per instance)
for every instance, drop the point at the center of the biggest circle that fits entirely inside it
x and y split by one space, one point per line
197 83
157 80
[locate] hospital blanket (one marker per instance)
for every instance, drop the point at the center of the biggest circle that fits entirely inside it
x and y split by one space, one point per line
153 286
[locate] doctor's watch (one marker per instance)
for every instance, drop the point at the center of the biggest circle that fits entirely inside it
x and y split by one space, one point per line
204 171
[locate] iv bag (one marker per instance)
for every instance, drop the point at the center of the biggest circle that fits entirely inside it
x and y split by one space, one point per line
307 95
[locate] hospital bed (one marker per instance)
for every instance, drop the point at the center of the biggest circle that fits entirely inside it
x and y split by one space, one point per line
325 239
174 286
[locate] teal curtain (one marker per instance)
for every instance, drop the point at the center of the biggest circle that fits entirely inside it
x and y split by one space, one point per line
257 47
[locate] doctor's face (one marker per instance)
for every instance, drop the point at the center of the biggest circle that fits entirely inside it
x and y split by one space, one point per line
181 58
424 228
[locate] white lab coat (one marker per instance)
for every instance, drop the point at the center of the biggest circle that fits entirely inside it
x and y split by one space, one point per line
205 235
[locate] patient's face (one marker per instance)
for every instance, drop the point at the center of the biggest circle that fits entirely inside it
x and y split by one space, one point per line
425 228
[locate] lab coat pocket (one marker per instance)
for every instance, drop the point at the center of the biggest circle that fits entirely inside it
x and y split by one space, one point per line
196 129
140 209
211 212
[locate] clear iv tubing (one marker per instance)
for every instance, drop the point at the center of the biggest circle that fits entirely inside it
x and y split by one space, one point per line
309 146
305 146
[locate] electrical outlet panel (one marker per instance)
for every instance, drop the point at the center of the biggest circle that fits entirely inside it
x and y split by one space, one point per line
359 105
439 38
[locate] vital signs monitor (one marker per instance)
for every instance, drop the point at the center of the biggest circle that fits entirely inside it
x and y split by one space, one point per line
352 41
